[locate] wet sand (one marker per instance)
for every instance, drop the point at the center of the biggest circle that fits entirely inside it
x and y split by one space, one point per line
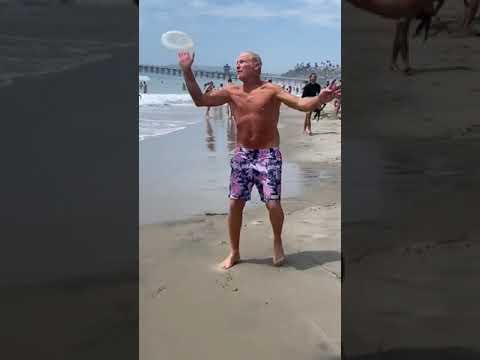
186 173
190 308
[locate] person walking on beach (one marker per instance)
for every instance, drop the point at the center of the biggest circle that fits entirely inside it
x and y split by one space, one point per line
208 87
257 159
310 90
229 109
318 111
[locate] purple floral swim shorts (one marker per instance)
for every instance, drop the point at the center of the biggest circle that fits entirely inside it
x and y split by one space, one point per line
262 167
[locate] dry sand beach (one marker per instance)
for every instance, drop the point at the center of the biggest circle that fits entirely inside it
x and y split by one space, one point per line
412 141
189 308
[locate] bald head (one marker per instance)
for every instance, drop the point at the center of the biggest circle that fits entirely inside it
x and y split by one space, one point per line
255 58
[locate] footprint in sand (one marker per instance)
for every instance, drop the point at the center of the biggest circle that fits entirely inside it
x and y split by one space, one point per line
221 284
225 282
257 222
157 291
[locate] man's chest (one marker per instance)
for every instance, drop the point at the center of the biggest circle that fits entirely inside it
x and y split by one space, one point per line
258 101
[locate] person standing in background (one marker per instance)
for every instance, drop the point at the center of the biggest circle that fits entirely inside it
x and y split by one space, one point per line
310 90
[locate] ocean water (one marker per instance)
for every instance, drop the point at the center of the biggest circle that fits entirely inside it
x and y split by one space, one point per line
166 107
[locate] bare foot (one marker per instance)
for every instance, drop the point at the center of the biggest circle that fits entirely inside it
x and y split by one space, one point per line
278 255
231 260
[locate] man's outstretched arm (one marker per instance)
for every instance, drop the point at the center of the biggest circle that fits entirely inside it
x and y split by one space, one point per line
213 98
309 103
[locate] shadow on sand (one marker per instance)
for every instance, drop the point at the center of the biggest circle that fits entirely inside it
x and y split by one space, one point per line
449 353
302 260
417 71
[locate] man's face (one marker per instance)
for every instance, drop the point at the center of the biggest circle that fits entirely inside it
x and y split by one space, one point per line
246 67
313 79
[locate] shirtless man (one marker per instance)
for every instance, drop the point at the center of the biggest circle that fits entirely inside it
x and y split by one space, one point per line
257 159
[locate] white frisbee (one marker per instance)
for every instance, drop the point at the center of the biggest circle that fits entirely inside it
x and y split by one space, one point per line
177 40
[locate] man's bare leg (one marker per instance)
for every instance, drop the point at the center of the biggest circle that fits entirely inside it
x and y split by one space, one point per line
396 46
307 126
235 216
275 212
405 46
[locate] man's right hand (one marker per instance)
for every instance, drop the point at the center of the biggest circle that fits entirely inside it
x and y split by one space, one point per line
185 60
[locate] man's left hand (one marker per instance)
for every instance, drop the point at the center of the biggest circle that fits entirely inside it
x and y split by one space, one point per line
331 92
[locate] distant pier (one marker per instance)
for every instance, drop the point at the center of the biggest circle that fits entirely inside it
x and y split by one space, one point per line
225 75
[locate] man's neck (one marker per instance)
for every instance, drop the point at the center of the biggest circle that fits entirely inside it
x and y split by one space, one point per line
252 84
